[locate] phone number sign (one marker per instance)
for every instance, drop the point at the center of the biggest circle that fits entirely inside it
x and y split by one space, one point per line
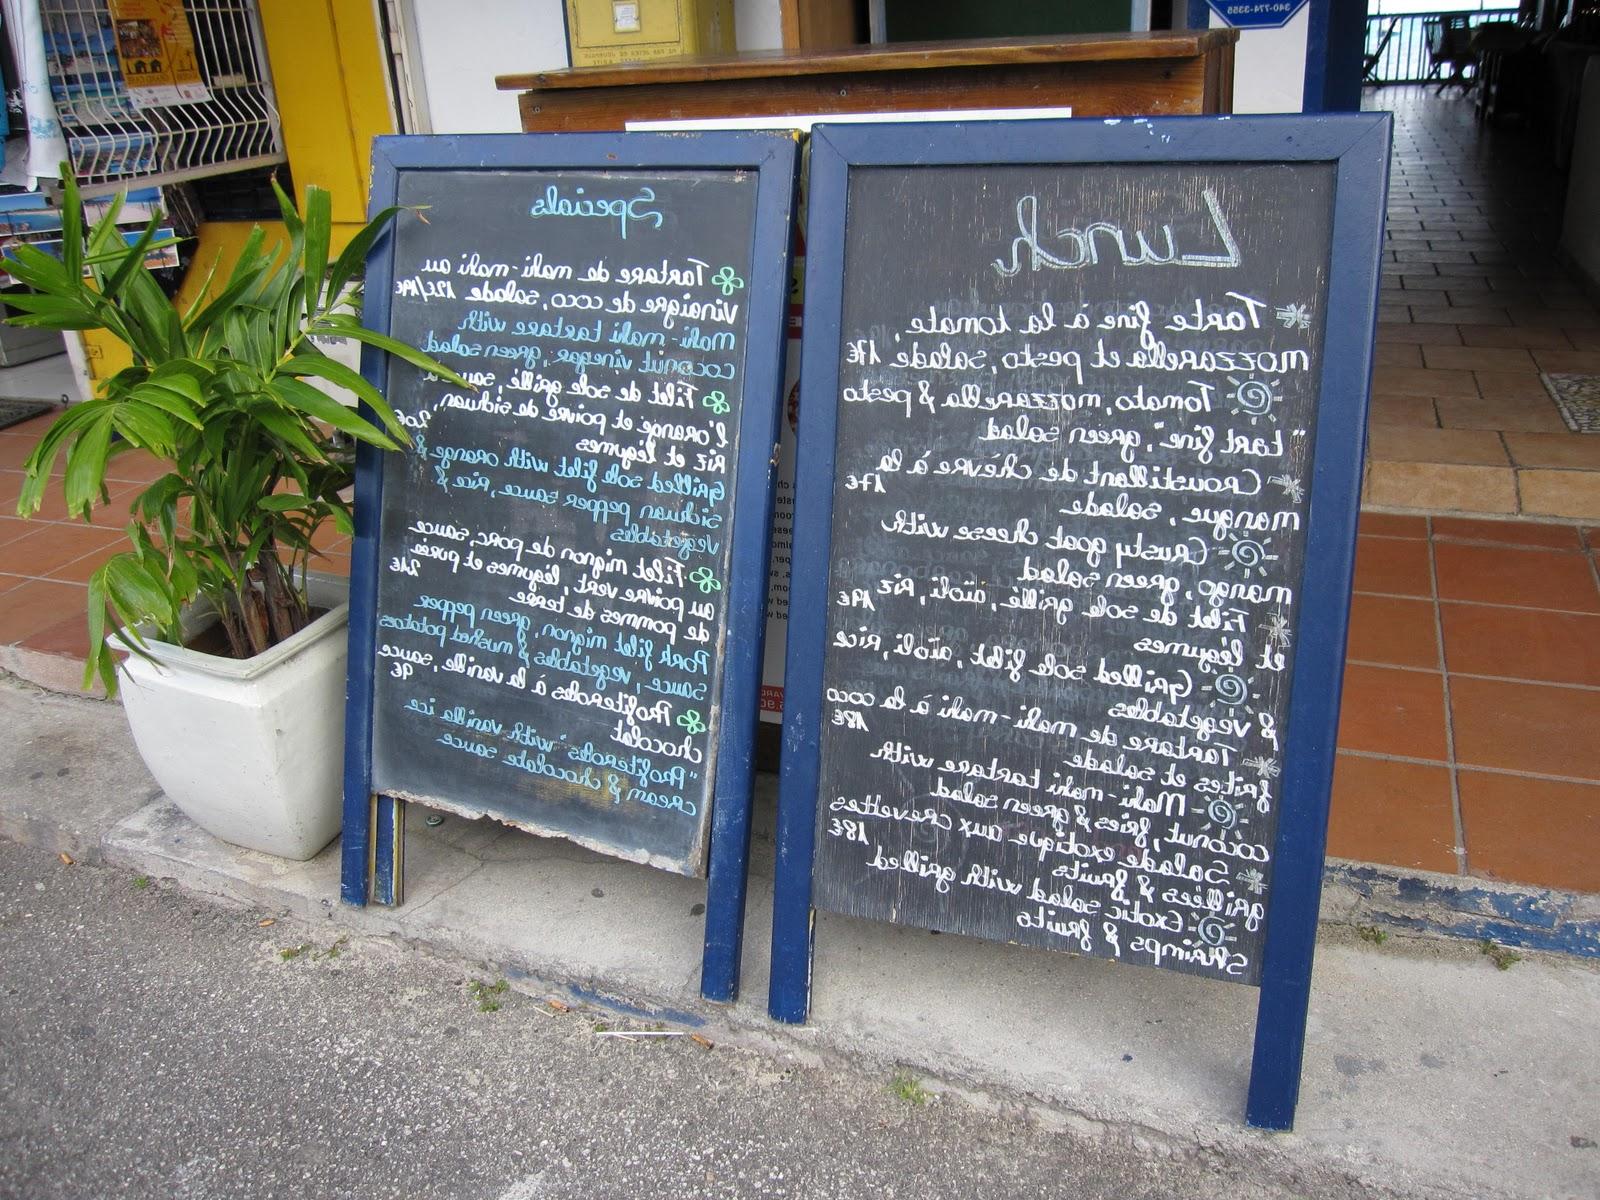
1256 14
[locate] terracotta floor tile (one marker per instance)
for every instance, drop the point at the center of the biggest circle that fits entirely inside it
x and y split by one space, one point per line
68 637
1441 487
34 606
1524 578
1406 443
1534 831
1572 494
1513 385
1419 381
7 582
11 528
1415 411
1532 414
14 450
1398 354
1392 812
1393 525
113 513
33 428
1533 534
1389 711
1525 297
1415 254
1514 335
49 547
1448 314
1556 317
80 569
1572 451
1531 727
1569 362
1477 358
1521 643
1418 282
332 564
1418 335
1393 632
1583 339
1393 567
136 467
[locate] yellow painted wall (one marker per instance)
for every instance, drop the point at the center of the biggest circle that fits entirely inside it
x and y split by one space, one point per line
328 69
329 73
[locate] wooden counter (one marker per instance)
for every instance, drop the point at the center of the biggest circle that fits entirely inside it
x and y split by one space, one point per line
1102 75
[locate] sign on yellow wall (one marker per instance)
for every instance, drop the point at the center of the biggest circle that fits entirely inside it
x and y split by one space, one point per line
156 49
601 32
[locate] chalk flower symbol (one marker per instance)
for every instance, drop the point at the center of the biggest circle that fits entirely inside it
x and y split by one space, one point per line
1263 766
1253 881
692 722
703 579
1294 491
716 402
1294 316
727 281
1279 631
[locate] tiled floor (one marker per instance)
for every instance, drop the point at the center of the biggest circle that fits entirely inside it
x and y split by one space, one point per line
1473 307
1472 701
45 562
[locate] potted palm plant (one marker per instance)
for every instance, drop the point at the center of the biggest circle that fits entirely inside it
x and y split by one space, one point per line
231 652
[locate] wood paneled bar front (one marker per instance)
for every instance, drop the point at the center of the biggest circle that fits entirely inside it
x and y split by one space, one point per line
1165 73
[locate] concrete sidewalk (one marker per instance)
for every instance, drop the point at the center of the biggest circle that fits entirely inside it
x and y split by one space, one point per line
1429 1071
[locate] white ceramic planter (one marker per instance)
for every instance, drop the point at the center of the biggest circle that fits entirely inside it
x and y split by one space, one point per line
251 750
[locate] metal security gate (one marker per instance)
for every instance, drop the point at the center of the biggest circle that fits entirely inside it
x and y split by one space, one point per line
220 116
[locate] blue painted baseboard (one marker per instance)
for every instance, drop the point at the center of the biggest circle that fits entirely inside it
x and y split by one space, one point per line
1525 917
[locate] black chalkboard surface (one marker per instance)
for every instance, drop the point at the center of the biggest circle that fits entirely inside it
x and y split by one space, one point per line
563 553
1073 455
1083 407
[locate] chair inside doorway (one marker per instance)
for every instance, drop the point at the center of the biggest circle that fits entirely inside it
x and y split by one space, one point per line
1449 38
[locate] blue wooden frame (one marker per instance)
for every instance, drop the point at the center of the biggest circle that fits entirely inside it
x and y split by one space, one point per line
1358 147
372 865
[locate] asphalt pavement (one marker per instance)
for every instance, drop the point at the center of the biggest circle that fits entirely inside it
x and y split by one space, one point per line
157 1045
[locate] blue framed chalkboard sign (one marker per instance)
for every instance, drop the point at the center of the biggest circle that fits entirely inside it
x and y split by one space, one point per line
1082 423
558 590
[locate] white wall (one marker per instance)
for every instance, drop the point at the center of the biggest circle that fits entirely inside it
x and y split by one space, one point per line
757 24
1269 66
462 45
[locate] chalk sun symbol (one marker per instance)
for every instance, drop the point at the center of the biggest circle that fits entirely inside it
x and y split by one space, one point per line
1250 556
1253 397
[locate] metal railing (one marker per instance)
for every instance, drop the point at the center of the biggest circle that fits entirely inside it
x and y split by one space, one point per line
1397 45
